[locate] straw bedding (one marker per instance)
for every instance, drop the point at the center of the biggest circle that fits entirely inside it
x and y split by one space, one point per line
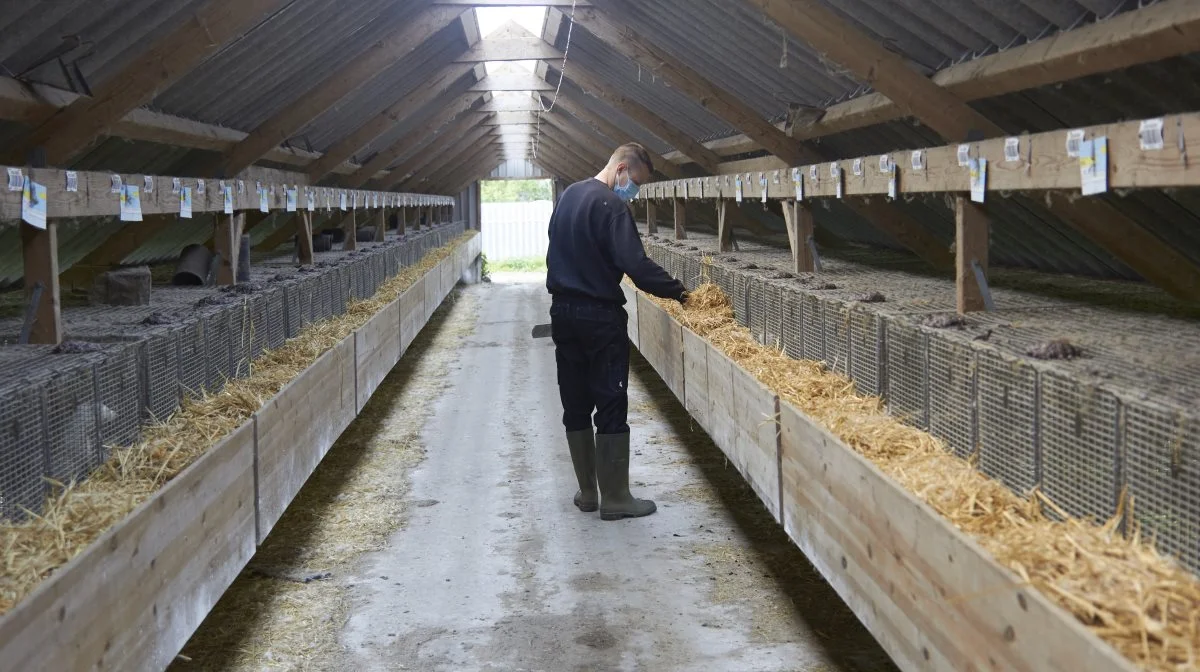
1145 605
78 513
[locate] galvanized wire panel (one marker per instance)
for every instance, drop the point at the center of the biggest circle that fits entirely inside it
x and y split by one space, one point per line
339 291
73 420
1008 432
1162 467
773 322
907 389
756 297
193 359
793 323
218 339
1078 426
277 327
321 293
952 398
813 319
161 373
119 383
23 445
866 351
740 298
242 331
837 336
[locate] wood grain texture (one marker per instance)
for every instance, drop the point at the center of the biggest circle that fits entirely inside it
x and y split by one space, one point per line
661 342
631 309
298 426
377 349
932 597
755 449
695 377
131 600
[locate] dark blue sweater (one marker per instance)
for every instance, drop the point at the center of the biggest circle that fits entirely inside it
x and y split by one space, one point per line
593 241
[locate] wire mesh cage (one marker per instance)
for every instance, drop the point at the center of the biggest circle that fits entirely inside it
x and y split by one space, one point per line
793 323
1162 467
907 389
837 336
756 296
74 418
1008 432
813 319
276 313
121 392
866 352
218 338
193 359
773 314
242 332
952 400
1080 442
161 373
24 447
741 298
339 291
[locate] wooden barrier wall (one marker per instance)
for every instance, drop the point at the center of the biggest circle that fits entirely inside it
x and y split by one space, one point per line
933 598
132 599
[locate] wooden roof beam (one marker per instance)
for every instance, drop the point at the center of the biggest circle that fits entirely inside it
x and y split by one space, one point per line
606 128
67 131
450 139
433 179
451 184
410 34
436 85
437 164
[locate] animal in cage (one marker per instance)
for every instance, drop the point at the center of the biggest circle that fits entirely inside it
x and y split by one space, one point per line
81 428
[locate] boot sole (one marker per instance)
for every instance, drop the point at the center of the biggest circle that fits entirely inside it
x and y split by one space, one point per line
621 516
588 508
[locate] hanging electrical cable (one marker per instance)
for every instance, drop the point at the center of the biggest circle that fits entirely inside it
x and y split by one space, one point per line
562 73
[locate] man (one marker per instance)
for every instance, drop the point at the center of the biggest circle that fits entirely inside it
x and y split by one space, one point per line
593 243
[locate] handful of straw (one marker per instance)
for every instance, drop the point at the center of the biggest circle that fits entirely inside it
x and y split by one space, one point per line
1144 605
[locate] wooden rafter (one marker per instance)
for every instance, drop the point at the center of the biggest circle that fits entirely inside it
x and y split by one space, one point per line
567 102
436 85
448 163
66 131
451 139
325 94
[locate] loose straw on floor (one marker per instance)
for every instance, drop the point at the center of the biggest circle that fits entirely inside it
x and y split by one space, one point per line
78 513
1143 604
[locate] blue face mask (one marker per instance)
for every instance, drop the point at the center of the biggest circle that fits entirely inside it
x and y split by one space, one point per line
629 191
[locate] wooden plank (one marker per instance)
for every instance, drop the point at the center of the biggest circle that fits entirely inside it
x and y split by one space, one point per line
453 138
971 232
695 377
297 428
228 237
381 224
724 226
799 221
412 314
433 298
39 250
377 349
411 31
631 310
680 218
512 82
350 226
755 449
131 599
509 49
651 218
660 340
304 238
721 427
932 597
176 52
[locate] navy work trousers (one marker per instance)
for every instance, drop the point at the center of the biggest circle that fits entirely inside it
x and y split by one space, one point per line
592 351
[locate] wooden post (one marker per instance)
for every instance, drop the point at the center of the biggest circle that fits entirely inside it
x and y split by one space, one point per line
970 245
40 250
228 241
401 214
429 216
351 229
381 225
680 218
304 247
799 221
651 218
724 226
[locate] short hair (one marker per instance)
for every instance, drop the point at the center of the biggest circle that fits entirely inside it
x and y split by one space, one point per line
632 151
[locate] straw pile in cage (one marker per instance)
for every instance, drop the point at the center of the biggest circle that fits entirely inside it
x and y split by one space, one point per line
78 513
1144 605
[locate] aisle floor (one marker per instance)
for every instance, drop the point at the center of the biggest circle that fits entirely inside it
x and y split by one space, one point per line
496 570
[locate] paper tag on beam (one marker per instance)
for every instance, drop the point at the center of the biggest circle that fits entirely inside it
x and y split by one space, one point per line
228 195
291 200
964 155
16 179
885 163
798 182
978 180
738 190
200 187
1012 149
1093 166
1150 134
147 184
311 199
176 185
185 202
893 187
114 184
918 160
343 200
264 203
858 167
33 204
131 204
72 179
241 187
762 183
1074 138
814 174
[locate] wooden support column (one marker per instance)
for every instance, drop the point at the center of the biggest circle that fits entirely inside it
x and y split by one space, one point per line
350 226
799 220
651 218
40 250
130 237
228 243
304 247
401 225
724 226
971 230
680 218
381 225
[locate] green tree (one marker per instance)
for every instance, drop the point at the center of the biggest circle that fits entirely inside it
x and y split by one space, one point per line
515 191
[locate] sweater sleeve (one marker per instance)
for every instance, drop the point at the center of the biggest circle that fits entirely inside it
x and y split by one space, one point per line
630 258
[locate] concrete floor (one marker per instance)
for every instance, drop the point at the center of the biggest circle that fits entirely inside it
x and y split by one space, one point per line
496 570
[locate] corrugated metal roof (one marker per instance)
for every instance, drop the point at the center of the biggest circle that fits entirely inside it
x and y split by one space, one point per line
517 169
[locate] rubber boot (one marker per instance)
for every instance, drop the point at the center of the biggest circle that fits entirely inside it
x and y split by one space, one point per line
583 456
612 472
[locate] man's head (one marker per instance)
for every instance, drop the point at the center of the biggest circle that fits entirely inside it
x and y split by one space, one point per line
628 168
